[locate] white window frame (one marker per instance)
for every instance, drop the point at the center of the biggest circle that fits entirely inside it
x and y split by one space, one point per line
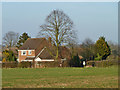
22 53
29 52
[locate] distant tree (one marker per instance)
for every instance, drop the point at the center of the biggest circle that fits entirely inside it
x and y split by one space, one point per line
88 49
59 27
73 47
102 47
114 48
10 39
22 39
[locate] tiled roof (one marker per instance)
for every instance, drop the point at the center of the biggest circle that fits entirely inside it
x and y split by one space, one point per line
32 43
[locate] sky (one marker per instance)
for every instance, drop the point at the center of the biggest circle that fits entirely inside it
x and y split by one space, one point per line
91 19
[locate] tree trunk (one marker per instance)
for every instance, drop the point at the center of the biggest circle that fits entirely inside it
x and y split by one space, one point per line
57 53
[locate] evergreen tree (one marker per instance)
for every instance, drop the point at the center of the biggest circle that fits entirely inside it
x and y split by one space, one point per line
75 62
22 39
102 48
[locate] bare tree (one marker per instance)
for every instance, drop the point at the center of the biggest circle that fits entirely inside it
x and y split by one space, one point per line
59 27
10 39
88 49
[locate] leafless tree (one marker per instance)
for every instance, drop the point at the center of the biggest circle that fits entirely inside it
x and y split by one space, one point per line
59 27
10 39
88 49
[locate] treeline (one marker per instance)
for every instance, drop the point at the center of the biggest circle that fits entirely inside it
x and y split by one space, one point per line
88 50
97 51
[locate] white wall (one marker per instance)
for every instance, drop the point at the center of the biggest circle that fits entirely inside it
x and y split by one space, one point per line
38 59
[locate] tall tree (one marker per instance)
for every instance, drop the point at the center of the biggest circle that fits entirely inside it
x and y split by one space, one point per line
22 39
10 39
88 50
102 47
59 27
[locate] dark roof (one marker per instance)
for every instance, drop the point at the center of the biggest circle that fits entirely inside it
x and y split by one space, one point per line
46 55
32 43
63 53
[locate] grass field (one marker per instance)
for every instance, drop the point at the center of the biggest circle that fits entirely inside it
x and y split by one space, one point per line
60 77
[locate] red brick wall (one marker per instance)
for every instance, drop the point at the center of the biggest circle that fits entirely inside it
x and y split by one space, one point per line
22 57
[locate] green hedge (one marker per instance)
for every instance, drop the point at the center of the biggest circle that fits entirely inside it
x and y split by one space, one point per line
9 64
30 65
16 64
103 63
25 65
53 64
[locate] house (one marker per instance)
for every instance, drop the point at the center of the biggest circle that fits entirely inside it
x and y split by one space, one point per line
37 49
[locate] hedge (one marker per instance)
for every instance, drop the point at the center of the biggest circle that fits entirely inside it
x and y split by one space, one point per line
103 63
16 64
9 64
30 64
53 64
25 64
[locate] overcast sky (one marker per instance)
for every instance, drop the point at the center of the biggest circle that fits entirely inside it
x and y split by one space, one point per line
91 20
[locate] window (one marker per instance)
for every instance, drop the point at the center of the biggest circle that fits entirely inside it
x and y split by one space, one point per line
23 53
29 52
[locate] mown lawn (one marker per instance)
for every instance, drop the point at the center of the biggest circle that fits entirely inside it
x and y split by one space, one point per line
60 77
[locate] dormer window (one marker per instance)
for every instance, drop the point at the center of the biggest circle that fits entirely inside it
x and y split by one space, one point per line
29 52
23 53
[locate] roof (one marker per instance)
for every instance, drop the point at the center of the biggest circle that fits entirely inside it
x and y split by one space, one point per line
46 55
32 43
38 44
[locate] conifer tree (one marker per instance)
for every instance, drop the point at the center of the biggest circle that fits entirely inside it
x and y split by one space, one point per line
22 39
102 48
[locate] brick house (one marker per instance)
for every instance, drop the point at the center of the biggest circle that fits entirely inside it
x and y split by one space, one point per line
36 49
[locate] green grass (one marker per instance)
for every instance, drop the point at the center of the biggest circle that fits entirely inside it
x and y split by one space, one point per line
60 77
